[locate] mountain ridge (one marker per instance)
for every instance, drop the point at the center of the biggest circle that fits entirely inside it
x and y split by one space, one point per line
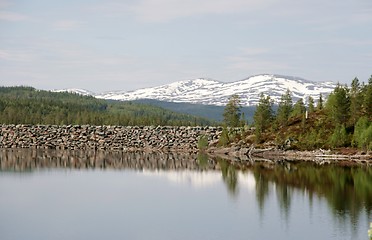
212 92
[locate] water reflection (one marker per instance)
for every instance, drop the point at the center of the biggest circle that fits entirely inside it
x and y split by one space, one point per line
30 159
346 190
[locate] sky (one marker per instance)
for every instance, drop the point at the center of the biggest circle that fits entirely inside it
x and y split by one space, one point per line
104 45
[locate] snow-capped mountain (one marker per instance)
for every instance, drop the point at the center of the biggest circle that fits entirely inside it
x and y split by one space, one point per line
212 92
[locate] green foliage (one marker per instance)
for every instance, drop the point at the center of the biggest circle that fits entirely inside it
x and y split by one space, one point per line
339 138
232 112
346 109
338 105
26 105
298 109
312 139
284 109
367 103
356 101
363 134
203 143
311 105
224 139
263 116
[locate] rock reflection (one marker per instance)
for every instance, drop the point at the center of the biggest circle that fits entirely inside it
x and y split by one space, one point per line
30 159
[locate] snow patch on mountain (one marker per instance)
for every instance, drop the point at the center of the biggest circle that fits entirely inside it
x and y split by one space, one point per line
212 92
77 91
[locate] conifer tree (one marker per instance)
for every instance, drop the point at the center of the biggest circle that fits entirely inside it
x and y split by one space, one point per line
285 108
311 106
320 102
356 101
232 112
299 108
338 105
263 115
367 105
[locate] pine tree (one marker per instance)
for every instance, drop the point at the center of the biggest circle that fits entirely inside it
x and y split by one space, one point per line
285 108
320 102
232 112
311 106
338 105
367 105
263 115
299 108
356 101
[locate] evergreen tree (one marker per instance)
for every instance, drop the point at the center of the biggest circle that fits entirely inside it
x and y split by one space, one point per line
356 101
299 108
367 105
285 108
263 115
311 106
320 102
338 105
232 112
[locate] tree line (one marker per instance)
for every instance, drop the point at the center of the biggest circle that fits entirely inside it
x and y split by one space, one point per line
343 120
26 105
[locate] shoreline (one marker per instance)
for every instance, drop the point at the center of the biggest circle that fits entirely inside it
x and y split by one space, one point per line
176 139
274 155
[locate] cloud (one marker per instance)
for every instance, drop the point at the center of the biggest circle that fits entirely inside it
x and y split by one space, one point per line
12 16
258 60
16 55
67 25
165 10
254 51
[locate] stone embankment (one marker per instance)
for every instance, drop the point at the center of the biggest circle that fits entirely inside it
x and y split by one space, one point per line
125 138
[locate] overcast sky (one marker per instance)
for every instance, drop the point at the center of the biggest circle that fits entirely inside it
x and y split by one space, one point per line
103 45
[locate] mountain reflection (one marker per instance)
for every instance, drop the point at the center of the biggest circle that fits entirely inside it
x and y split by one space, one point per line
347 190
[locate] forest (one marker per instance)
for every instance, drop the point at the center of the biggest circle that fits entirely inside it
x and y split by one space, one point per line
343 120
26 105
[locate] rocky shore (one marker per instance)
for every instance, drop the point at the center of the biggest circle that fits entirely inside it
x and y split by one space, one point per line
150 138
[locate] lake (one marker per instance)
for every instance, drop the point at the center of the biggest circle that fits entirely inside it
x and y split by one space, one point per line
48 194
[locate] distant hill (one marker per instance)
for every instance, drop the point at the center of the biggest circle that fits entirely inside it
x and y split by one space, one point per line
26 105
212 112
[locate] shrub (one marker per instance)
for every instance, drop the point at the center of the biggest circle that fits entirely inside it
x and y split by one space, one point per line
363 134
339 138
203 142
224 139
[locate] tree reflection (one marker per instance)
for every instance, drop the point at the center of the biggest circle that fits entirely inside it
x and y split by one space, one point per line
229 176
347 190
262 189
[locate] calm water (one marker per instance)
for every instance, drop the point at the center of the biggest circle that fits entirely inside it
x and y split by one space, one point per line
107 195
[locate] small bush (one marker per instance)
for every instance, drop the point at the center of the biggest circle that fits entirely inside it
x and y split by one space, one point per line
224 139
203 142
